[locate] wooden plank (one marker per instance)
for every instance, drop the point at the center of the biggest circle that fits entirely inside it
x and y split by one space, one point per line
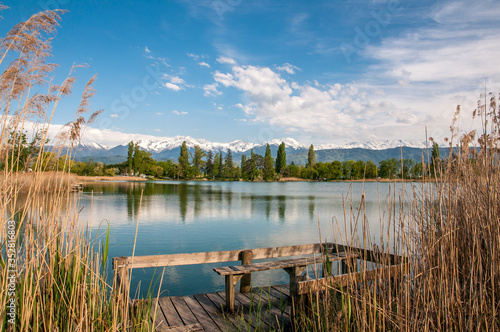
285 289
246 305
184 312
280 300
281 264
270 311
215 314
219 256
186 328
157 317
239 320
170 313
306 287
200 314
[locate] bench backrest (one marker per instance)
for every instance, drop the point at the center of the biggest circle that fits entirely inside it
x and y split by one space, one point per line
215 256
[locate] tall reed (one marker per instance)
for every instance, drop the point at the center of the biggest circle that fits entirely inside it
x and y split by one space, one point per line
447 229
52 275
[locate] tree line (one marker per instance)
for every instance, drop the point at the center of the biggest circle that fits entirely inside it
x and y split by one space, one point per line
254 167
221 166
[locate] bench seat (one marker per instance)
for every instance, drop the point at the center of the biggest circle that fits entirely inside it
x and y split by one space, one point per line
294 267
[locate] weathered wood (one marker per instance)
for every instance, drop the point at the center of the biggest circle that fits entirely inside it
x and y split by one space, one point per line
231 281
220 256
279 264
219 303
267 312
200 314
169 312
184 312
186 328
122 275
246 281
157 317
317 285
214 313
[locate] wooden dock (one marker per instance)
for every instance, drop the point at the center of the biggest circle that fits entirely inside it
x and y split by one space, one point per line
265 308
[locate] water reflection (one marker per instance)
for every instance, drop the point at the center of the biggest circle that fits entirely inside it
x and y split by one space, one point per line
183 217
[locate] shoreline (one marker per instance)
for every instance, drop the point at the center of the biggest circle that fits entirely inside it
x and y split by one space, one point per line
87 179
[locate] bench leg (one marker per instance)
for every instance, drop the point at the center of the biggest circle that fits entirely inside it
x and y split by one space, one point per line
231 281
294 273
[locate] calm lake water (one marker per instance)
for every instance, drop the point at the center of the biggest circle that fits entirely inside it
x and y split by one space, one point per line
185 217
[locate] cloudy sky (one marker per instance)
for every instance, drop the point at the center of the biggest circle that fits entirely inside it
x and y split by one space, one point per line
319 71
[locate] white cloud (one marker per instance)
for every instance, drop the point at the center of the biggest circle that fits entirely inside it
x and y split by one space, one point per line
204 64
157 130
333 110
433 68
113 115
290 69
179 113
223 59
172 86
147 50
158 114
176 80
211 90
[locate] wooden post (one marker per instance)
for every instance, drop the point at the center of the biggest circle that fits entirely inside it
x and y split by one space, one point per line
120 266
295 273
231 281
246 258
349 265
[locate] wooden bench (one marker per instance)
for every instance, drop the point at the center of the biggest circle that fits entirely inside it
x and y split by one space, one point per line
294 267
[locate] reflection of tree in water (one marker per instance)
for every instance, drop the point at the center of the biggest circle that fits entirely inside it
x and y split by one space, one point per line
311 207
198 203
268 206
133 190
282 207
182 191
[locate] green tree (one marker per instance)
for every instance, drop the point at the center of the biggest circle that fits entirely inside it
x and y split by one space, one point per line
281 159
228 165
22 152
347 169
388 169
311 157
336 170
209 166
371 170
184 161
220 166
138 169
130 158
198 162
168 168
268 172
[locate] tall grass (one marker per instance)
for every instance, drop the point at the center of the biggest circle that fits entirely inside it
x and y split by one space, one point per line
52 275
448 230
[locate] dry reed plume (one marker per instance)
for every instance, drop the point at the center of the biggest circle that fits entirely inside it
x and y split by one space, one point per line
53 274
448 231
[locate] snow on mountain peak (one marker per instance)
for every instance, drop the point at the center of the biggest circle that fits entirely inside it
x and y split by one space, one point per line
160 144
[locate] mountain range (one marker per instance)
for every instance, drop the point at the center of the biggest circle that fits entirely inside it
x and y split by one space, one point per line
166 148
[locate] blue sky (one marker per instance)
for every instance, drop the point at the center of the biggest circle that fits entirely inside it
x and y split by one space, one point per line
318 71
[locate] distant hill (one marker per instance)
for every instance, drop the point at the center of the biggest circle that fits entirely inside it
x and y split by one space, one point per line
296 152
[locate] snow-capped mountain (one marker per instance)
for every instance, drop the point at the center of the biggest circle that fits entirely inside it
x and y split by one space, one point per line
169 143
93 145
167 148
373 145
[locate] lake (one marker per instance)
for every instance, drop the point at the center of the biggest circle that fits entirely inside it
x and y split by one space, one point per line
185 217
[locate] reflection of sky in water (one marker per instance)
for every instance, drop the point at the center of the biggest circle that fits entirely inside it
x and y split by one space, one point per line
183 217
